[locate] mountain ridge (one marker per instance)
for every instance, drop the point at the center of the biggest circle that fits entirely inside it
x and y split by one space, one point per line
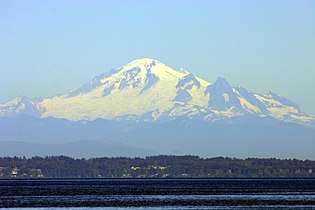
236 137
149 90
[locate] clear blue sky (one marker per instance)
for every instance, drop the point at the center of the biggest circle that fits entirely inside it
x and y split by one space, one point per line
48 47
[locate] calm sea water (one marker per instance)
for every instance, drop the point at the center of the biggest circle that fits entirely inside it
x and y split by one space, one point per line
108 194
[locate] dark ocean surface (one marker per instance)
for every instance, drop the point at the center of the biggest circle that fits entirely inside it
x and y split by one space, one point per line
83 194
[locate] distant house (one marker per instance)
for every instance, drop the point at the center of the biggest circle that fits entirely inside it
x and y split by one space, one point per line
14 172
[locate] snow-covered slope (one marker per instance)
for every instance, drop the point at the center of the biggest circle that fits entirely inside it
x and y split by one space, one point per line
144 89
148 90
22 105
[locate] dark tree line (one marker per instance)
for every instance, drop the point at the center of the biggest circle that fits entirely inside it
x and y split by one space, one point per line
162 166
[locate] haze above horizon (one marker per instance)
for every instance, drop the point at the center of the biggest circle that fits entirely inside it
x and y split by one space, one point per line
50 47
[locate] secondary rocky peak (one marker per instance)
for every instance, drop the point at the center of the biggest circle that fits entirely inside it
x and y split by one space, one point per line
221 84
22 105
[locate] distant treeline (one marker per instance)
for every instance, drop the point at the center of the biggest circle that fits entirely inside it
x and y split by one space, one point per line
162 166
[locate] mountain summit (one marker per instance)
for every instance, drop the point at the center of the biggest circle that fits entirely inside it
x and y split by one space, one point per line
148 90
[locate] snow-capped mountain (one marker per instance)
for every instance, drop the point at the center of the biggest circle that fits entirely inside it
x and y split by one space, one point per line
22 105
148 90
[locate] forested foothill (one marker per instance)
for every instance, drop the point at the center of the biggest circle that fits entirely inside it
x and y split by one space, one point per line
163 166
